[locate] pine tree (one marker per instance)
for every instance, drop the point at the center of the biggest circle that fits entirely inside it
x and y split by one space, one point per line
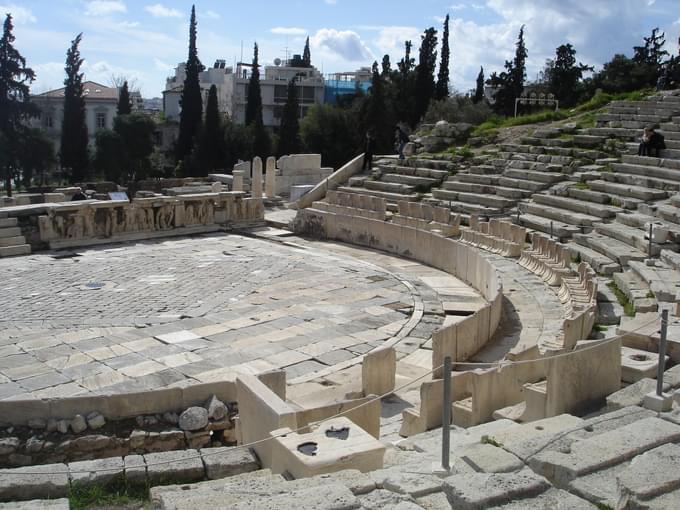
306 55
479 90
74 154
442 89
378 118
190 101
563 75
510 83
254 102
14 94
124 103
404 80
289 135
425 85
211 149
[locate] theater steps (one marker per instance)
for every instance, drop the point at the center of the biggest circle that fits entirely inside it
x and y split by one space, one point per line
12 243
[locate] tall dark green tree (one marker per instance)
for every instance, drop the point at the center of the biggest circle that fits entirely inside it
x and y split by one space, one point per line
425 84
36 154
377 117
479 89
289 134
210 150
386 67
306 55
191 102
15 78
510 84
442 88
650 56
124 103
74 157
254 100
563 75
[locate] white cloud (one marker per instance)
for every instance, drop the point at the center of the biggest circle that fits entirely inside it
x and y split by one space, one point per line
458 7
391 40
211 15
331 2
162 66
19 14
161 11
104 7
288 31
345 44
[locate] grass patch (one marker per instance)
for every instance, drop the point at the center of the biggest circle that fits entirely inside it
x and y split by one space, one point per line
601 99
496 122
582 185
114 496
587 120
599 328
650 294
465 152
491 441
628 307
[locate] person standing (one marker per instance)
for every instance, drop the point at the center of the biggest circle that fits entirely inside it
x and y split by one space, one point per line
401 139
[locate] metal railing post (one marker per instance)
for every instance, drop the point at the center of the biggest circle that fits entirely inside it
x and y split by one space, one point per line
446 415
662 353
651 231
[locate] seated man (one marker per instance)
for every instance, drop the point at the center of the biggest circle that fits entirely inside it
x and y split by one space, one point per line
651 143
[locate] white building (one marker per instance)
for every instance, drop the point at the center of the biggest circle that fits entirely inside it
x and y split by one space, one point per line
100 109
232 90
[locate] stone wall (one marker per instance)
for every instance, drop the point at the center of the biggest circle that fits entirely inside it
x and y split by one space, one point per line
299 169
89 222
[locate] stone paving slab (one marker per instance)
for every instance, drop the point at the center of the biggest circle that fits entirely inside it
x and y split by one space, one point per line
203 309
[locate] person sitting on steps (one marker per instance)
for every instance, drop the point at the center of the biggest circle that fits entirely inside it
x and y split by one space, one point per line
652 143
368 152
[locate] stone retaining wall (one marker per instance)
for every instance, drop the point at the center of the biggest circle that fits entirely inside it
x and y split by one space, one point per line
84 223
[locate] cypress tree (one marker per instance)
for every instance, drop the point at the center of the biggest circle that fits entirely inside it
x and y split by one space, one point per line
74 154
386 67
124 103
190 101
479 90
425 85
254 104
306 55
14 94
211 153
510 84
289 136
442 89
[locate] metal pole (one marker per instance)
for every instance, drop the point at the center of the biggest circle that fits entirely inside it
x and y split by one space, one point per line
446 415
651 230
662 353
516 102
552 237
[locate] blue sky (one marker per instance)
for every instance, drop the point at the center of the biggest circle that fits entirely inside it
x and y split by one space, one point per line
144 39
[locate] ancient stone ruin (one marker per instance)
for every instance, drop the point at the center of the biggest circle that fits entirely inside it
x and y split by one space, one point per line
231 344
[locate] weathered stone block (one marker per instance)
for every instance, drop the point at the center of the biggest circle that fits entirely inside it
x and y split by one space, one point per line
225 462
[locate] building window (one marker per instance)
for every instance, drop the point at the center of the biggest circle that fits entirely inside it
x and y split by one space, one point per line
48 121
278 112
158 138
101 120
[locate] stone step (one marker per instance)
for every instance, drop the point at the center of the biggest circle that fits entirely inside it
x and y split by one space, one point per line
599 262
646 161
463 207
588 141
669 126
669 213
491 180
8 222
546 142
474 198
434 164
639 192
610 132
484 170
390 187
522 184
672 144
641 221
390 197
579 206
648 119
604 450
664 282
532 152
415 171
534 175
671 258
641 180
668 153
12 241
12 251
467 187
669 174
646 110
560 230
10 232
669 135
575 219
631 236
410 180
540 166
618 251
628 124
